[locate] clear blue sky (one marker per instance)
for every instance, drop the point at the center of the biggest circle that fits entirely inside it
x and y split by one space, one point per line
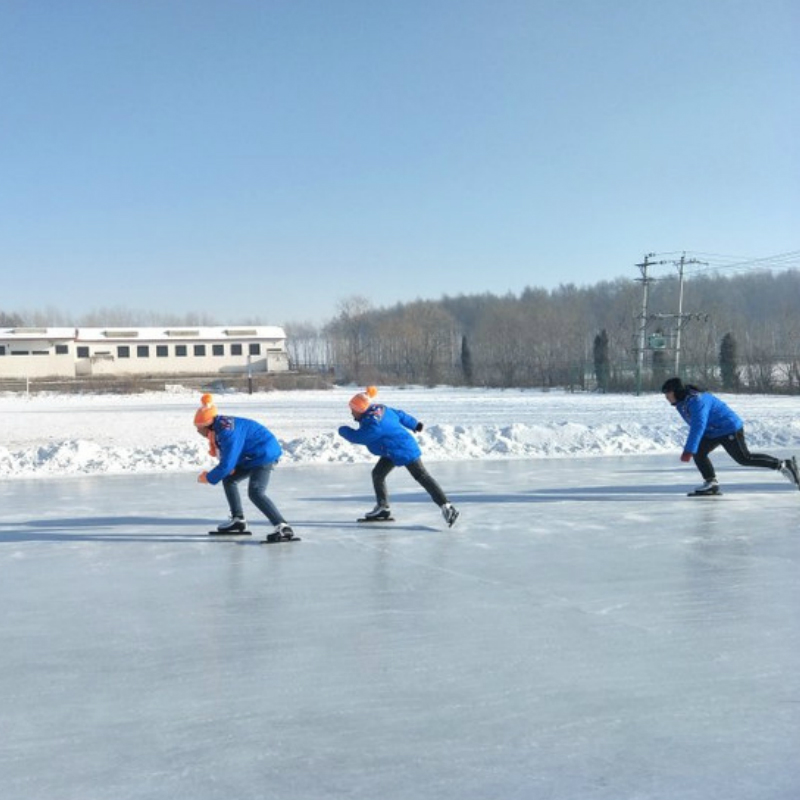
272 157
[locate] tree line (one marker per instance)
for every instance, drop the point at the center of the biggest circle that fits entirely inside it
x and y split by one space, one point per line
739 333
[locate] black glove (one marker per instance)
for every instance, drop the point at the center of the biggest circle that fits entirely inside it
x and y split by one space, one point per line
418 429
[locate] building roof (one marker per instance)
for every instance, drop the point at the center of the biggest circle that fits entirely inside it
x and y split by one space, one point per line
167 333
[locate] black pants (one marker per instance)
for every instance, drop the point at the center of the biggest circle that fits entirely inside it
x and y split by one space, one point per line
418 473
736 447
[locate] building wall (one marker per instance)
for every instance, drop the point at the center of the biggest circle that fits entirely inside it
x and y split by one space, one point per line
30 357
141 351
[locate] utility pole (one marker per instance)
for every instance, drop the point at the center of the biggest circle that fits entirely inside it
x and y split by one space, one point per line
645 281
680 316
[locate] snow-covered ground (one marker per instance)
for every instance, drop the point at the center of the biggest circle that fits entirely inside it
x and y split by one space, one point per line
584 632
95 434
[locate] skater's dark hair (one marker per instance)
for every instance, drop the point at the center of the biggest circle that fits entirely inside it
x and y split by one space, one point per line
674 385
679 389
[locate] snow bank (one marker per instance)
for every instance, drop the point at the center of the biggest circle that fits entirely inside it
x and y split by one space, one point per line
58 435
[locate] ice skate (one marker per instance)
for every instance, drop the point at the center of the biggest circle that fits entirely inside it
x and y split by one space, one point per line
790 472
707 489
282 533
286 532
233 525
450 514
378 514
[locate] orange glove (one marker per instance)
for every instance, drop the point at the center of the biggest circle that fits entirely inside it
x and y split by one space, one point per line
202 477
686 457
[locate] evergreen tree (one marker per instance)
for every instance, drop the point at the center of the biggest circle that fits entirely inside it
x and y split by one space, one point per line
727 363
466 362
601 360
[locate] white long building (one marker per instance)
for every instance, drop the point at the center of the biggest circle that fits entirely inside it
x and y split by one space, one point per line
84 352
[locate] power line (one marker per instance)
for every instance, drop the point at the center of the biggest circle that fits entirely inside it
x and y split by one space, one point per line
711 263
716 263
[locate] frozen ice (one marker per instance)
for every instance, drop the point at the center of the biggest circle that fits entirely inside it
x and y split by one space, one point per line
584 632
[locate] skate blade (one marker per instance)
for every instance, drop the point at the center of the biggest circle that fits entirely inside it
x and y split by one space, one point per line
283 541
230 533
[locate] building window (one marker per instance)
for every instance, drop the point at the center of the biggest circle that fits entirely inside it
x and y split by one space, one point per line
199 349
236 349
142 351
254 349
218 349
162 351
62 350
83 352
180 350
123 351
2 349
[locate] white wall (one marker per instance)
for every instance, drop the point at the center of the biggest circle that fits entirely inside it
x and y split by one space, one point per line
106 354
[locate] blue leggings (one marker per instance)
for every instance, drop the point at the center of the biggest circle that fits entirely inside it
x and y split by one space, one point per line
256 491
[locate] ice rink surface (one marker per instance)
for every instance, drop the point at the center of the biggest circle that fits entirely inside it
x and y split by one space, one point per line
584 632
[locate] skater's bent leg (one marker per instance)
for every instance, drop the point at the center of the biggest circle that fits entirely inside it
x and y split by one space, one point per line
702 461
736 447
379 473
257 492
424 479
229 484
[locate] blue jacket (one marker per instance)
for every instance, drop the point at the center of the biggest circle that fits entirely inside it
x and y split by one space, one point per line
708 418
242 443
385 432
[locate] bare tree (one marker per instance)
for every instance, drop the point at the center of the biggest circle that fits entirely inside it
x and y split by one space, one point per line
307 346
501 349
350 334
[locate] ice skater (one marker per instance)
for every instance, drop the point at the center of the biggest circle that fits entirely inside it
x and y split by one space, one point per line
246 450
712 423
386 433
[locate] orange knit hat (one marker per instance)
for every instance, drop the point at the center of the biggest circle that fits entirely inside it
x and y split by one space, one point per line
360 402
206 413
